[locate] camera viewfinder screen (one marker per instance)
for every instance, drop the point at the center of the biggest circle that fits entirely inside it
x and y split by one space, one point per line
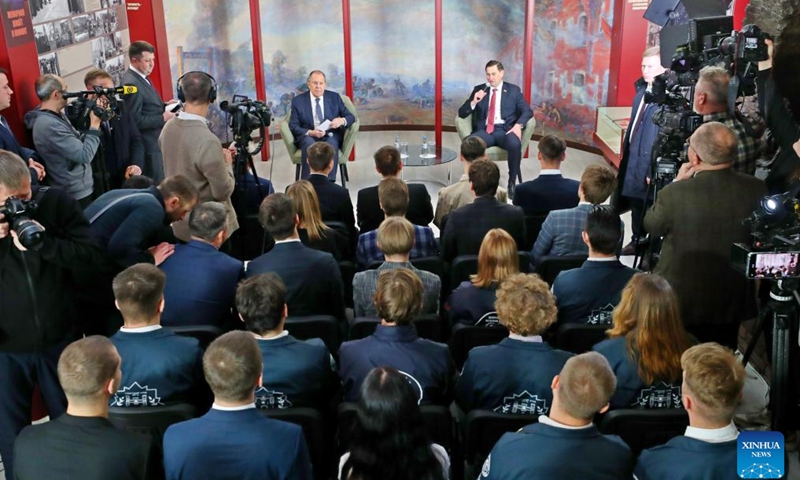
775 265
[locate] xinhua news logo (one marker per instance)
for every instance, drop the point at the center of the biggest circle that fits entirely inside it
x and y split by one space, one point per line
760 455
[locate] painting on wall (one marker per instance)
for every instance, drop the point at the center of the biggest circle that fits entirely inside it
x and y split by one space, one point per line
468 45
212 36
570 65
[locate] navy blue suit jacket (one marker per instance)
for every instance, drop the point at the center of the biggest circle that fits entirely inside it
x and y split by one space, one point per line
698 460
240 445
513 108
335 204
302 119
201 285
545 193
466 226
313 281
589 294
637 148
8 142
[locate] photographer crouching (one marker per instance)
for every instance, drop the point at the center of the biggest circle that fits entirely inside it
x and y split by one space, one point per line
40 249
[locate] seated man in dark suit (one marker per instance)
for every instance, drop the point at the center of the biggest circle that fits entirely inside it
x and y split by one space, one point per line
233 440
82 443
315 107
201 280
395 238
580 391
499 113
160 366
334 200
514 376
466 227
550 190
590 293
561 230
460 193
369 212
713 380
393 194
297 373
313 280
427 364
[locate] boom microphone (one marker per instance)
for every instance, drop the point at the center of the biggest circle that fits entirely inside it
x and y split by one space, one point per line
126 89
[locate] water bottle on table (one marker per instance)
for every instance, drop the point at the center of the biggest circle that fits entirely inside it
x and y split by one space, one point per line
424 151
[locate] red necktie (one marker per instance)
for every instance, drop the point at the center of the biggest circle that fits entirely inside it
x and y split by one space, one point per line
490 120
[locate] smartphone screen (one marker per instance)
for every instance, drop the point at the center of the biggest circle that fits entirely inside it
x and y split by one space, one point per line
772 265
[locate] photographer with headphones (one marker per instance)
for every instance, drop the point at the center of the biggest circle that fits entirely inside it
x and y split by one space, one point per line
121 155
190 149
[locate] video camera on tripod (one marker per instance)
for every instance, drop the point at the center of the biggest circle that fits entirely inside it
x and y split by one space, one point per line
90 101
246 116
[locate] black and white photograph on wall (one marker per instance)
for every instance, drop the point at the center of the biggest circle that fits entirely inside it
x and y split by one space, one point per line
110 46
80 28
63 34
104 3
106 21
49 64
116 2
118 41
116 68
47 10
75 6
45 39
99 53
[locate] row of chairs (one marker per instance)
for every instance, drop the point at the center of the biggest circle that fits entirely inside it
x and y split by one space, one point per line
468 441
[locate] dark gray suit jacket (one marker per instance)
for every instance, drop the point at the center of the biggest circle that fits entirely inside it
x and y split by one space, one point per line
147 110
700 218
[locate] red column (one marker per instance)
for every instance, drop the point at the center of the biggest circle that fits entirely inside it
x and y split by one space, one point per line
739 9
438 81
146 22
527 57
628 41
348 58
258 63
18 56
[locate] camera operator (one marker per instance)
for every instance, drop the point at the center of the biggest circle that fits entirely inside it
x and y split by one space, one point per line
700 215
711 101
7 140
122 152
196 153
37 291
779 103
67 153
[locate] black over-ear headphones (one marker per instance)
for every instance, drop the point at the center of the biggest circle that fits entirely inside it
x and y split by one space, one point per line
212 94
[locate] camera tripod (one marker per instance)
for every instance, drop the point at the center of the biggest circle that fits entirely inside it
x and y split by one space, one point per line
242 163
782 310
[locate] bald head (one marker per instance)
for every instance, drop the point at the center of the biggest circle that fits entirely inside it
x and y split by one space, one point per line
714 143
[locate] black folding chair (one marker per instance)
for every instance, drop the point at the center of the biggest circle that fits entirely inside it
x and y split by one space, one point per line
151 422
314 430
550 267
483 428
464 338
428 326
324 327
643 429
205 334
533 225
579 337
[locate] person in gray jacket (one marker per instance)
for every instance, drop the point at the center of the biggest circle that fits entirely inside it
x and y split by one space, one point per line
67 153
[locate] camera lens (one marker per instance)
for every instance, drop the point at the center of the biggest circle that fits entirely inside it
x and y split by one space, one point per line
29 232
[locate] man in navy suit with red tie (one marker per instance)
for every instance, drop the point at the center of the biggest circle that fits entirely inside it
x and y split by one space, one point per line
503 128
314 108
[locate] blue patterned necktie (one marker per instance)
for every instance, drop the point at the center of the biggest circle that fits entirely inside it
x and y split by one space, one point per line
320 118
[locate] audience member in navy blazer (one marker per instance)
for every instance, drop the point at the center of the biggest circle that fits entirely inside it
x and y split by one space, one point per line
550 190
368 208
590 293
645 345
313 281
561 230
233 440
256 192
313 108
466 226
7 140
201 280
82 443
296 373
713 380
395 343
514 376
472 302
565 443
334 200
160 366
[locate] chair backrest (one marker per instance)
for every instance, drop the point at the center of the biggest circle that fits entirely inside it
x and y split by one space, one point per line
550 267
314 430
483 428
533 225
438 423
579 337
464 338
428 326
205 334
151 422
324 327
348 270
643 429
434 265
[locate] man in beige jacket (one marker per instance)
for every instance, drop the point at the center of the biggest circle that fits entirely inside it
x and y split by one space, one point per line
190 148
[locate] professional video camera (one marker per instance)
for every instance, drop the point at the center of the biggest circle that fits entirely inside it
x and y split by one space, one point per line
246 116
87 100
18 213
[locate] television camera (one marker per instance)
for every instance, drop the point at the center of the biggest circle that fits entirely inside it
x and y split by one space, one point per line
101 101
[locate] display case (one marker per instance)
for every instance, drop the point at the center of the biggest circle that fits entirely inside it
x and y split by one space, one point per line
611 123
